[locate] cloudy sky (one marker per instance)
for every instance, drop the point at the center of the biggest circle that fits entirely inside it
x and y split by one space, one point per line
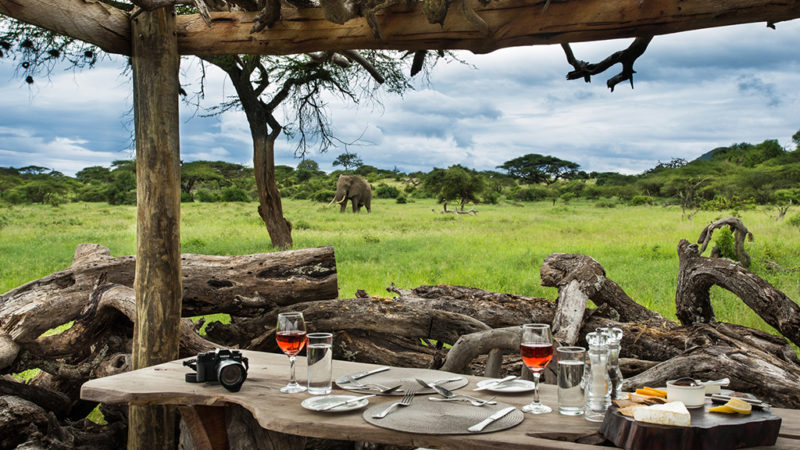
693 92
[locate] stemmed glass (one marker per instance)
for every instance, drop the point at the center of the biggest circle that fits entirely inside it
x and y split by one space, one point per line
536 348
291 336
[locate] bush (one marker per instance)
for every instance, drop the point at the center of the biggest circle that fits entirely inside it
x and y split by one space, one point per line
386 191
641 200
206 196
567 196
93 193
532 194
724 243
186 197
606 203
409 188
402 199
234 194
491 197
795 220
324 195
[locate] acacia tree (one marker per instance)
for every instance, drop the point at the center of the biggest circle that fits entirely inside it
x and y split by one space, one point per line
348 160
534 168
264 83
455 183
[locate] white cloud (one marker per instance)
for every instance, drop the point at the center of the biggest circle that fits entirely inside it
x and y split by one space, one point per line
693 92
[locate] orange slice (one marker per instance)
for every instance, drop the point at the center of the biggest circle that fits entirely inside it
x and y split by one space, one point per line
652 392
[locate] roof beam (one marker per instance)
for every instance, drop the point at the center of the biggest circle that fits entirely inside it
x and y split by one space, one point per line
511 23
93 22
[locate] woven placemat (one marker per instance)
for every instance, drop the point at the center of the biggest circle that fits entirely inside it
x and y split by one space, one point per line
426 417
408 377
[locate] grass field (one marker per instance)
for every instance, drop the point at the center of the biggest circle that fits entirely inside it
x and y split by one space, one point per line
500 249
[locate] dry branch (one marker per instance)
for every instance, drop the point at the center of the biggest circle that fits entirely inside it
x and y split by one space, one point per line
625 57
740 232
696 276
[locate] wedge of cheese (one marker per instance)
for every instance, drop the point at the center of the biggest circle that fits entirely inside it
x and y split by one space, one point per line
672 413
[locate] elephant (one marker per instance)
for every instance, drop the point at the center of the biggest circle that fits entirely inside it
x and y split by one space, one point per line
354 188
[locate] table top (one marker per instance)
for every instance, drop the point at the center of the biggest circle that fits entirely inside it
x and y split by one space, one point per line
165 384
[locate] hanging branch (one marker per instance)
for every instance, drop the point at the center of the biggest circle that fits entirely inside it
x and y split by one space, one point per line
626 57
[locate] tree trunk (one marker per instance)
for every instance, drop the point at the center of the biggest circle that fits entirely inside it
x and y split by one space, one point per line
155 64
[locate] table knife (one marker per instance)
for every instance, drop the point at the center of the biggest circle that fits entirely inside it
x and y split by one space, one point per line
485 422
363 374
495 383
346 402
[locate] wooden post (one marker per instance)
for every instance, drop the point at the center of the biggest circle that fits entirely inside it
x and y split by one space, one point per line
157 282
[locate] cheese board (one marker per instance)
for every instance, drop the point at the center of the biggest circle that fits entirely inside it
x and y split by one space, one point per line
706 430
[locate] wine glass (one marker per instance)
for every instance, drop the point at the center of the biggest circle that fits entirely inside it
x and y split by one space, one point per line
536 348
291 336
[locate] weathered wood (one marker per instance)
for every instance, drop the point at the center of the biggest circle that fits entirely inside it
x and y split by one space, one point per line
696 276
50 400
740 233
468 347
8 351
155 65
561 269
244 285
707 430
715 351
94 22
18 414
567 322
511 23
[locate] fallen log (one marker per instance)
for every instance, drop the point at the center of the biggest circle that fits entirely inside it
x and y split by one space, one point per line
242 285
696 276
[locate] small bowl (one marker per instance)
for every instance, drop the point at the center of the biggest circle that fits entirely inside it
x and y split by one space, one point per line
692 394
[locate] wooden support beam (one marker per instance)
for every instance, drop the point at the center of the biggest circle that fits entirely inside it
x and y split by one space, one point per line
93 22
157 282
511 23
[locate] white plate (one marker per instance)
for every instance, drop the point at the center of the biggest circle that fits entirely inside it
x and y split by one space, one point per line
318 403
509 386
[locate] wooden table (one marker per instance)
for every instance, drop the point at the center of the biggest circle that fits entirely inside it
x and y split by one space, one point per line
204 406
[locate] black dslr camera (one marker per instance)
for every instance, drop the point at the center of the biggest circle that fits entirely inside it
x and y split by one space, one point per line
228 367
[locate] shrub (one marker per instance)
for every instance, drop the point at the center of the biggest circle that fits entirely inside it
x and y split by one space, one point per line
386 191
402 199
532 194
641 200
795 220
206 196
301 225
409 188
186 197
567 196
724 243
491 197
234 194
323 195
606 203
93 193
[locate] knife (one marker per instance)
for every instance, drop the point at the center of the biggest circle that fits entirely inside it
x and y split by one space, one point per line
495 383
485 422
363 374
719 398
346 402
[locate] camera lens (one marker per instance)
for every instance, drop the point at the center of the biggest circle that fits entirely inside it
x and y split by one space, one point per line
231 375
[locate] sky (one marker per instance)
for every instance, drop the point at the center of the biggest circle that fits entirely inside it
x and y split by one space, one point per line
693 92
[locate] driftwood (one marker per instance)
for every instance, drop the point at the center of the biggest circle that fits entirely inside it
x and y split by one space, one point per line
407 328
740 233
696 276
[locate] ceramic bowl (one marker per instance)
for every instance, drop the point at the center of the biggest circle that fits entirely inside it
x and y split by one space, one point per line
693 395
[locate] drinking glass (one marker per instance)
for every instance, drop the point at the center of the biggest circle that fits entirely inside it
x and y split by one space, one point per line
291 336
571 400
319 356
536 348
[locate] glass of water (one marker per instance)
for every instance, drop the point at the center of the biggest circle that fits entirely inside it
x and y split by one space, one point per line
320 363
570 380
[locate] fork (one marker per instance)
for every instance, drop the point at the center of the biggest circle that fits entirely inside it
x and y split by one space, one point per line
405 401
359 385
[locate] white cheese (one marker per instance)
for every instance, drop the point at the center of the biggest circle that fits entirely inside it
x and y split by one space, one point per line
673 413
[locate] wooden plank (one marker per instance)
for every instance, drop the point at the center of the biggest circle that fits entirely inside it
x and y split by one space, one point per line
511 23
164 384
157 282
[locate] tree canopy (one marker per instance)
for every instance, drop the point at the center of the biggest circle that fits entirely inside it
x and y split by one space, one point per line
534 168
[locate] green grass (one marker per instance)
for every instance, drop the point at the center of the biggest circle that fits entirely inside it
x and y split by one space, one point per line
500 249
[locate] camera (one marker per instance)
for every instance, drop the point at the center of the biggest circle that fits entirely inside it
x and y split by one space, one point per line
228 367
